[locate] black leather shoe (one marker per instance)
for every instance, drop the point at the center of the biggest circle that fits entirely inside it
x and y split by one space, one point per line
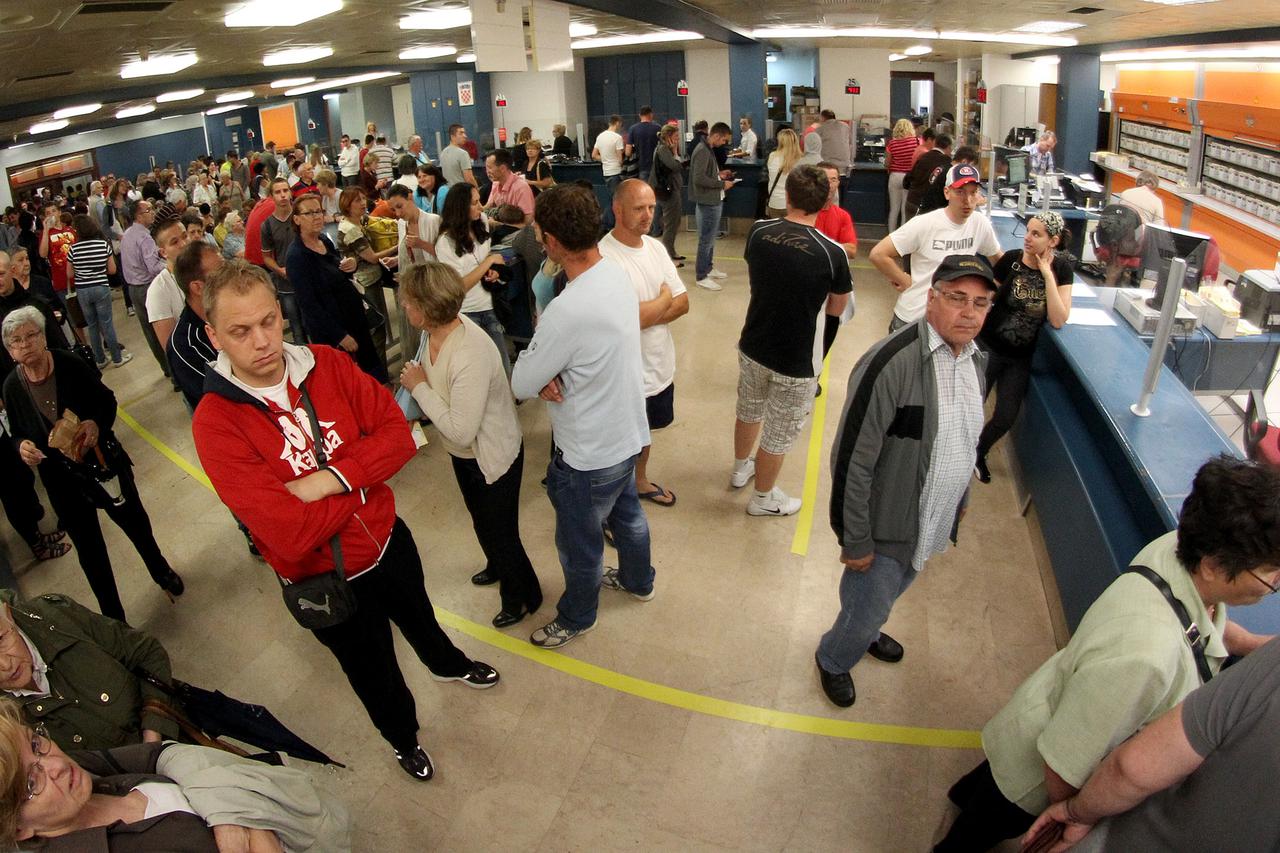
980 468
885 648
171 583
507 618
485 577
837 686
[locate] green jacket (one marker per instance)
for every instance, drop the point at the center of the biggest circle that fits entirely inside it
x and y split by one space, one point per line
95 700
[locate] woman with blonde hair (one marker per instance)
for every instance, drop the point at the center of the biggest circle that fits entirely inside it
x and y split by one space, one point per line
899 154
459 381
779 165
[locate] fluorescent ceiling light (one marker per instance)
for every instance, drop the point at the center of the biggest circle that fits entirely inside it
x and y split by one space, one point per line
642 38
296 56
87 132
466 57
183 95
179 115
224 109
289 82
1008 38
83 110
46 126
1047 27
1269 51
840 32
437 19
918 50
332 96
157 65
338 82
427 52
770 57
230 97
269 13
581 29
130 112
894 57
20 145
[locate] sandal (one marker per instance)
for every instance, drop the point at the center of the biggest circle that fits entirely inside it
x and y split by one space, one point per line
49 546
657 496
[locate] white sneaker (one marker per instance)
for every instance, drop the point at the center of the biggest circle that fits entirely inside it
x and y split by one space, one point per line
715 273
774 503
708 283
741 476
125 358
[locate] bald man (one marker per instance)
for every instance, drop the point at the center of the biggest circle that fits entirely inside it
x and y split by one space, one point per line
663 300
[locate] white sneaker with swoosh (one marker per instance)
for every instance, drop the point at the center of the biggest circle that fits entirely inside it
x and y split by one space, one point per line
775 502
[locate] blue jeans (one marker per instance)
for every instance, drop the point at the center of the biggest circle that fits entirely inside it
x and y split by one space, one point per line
488 320
95 302
583 500
611 187
708 226
865 601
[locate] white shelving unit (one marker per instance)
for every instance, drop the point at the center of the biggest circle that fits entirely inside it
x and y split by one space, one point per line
1243 176
1157 149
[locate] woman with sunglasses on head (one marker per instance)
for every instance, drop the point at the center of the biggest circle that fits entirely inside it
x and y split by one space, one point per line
1035 288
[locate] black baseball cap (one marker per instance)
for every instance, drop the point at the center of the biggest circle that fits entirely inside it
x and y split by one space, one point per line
962 266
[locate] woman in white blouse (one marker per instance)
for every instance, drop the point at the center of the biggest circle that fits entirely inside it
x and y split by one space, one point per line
463 246
459 383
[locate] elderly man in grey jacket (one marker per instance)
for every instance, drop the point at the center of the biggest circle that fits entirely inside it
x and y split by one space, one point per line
901 463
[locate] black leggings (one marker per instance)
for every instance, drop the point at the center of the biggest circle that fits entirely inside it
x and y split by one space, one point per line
986 817
1010 377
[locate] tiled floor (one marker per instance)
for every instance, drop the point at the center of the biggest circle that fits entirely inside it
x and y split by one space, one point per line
549 762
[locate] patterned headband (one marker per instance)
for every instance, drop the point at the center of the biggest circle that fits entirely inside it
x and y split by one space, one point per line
1053 222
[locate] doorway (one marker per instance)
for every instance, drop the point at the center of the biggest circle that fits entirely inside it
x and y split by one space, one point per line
911 95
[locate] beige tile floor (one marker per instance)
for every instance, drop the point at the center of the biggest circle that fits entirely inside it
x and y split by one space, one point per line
549 762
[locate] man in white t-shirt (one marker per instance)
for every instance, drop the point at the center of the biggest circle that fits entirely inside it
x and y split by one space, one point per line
349 162
608 150
1143 199
663 299
930 237
164 298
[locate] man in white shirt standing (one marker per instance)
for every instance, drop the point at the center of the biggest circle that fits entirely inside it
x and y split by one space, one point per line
932 236
663 299
748 143
608 151
165 300
1143 199
584 360
349 162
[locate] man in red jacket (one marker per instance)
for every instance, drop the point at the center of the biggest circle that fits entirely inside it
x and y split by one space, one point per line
255 441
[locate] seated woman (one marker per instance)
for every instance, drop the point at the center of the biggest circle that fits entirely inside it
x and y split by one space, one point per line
158 797
458 381
46 384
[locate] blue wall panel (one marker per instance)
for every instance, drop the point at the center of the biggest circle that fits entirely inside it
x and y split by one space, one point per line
127 159
1079 97
222 137
747 74
431 93
623 84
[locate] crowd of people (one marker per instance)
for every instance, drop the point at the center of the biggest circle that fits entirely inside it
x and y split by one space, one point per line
299 439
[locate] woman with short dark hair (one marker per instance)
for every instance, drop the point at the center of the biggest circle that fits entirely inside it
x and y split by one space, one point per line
432 189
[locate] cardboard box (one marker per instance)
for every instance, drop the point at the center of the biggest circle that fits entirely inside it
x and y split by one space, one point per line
1220 323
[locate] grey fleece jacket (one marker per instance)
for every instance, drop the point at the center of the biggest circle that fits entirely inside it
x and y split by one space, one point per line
882 450
704 176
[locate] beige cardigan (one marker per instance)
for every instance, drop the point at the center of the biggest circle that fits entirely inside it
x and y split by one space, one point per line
476 412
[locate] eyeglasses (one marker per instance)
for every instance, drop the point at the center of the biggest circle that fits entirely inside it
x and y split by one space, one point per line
959 300
40 747
23 340
316 212
1272 588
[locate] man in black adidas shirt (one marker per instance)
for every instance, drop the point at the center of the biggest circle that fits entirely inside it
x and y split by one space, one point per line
797 274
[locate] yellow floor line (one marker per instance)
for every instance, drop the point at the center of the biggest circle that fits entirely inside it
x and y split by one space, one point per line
651 691
812 468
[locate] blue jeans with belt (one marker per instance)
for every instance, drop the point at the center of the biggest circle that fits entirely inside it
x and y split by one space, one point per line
583 501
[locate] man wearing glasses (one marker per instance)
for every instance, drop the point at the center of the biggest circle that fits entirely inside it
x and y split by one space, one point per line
1131 659
914 405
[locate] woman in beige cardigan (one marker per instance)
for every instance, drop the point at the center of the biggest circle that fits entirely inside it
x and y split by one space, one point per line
459 382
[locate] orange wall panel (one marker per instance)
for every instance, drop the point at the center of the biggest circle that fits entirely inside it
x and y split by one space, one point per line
1242 248
1152 109
1247 123
1261 88
279 125
1159 82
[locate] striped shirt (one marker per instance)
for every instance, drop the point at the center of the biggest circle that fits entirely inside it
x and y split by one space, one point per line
89 260
900 152
954 447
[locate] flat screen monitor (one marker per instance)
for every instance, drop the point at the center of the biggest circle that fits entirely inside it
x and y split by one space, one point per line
1017 173
1161 245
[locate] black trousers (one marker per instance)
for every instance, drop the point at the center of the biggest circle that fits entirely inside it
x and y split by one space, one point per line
495 514
1010 377
18 492
672 213
986 817
79 516
393 591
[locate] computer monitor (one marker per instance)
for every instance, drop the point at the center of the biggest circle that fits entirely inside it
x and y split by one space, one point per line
1161 245
1017 170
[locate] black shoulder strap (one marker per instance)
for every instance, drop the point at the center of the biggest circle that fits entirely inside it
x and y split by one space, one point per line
1189 628
317 441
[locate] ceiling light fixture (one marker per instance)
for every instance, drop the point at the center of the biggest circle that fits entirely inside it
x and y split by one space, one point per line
640 38
466 57
156 66
895 57
20 145
83 110
918 50
437 19
269 13
770 57
339 82
183 95
225 109
581 30
944 35
1008 38
231 97
1269 51
131 112
427 52
1047 27
289 82
296 56
46 126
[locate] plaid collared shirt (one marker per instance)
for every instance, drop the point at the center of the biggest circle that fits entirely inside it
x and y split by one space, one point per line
955 446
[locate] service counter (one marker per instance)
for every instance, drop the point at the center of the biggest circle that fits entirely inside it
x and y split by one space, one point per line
1105 482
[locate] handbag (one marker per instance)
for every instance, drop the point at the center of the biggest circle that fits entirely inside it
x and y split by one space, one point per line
75 312
320 601
383 233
